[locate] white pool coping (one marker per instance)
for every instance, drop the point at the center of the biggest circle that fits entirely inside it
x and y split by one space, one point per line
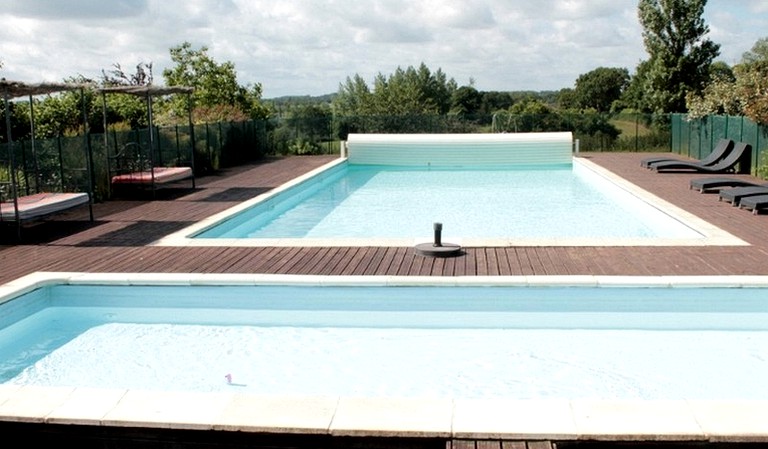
712 235
563 420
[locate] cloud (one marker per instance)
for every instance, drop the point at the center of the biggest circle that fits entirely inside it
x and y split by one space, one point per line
311 46
69 9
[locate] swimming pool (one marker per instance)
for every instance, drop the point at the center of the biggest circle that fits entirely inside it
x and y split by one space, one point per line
472 342
396 314
353 205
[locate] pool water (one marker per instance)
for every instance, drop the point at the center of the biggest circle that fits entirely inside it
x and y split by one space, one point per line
376 202
458 342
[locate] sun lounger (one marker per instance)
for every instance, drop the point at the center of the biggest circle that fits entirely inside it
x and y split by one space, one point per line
157 175
39 205
704 185
735 195
724 146
754 203
740 156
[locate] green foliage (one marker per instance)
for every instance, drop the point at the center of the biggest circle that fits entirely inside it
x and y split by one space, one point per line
680 56
127 111
566 99
59 114
304 147
405 92
466 100
493 101
740 91
720 70
215 84
762 166
759 52
719 97
305 128
600 88
752 88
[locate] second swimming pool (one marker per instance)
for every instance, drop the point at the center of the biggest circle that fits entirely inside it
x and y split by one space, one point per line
548 341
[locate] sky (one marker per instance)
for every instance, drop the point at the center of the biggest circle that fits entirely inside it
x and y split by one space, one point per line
310 47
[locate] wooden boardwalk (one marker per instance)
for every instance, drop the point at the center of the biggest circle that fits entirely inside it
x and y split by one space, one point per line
120 238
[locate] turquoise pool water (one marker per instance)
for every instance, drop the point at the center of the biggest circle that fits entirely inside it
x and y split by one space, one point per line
462 342
353 201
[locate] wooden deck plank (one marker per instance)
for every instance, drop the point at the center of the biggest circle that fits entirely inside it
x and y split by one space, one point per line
488 444
462 444
513 445
503 262
311 262
481 262
406 263
378 262
539 444
492 262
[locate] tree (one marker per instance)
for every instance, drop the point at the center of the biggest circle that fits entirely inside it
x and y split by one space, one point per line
752 89
466 100
494 101
633 98
354 97
742 91
720 70
566 99
680 55
600 88
759 52
61 114
405 92
215 84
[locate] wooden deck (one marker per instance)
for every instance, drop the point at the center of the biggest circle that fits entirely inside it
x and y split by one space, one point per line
120 238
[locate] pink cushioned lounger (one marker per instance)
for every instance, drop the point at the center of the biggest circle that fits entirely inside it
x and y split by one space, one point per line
163 175
42 204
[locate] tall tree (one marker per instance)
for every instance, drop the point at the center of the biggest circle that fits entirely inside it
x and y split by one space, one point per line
674 34
353 97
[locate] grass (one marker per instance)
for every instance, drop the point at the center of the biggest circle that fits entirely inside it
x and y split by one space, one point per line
631 128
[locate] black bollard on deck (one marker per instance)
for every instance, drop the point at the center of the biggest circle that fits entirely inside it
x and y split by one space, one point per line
437 248
438 234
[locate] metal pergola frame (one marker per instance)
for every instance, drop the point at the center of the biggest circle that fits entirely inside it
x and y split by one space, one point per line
17 89
148 93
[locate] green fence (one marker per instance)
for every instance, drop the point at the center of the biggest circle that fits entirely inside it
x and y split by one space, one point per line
225 144
59 164
595 132
697 138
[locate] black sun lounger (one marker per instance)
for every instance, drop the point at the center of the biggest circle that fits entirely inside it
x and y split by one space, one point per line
724 146
704 185
740 156
735 195
754 203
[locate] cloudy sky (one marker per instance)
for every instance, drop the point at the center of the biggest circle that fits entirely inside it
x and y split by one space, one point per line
309 47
